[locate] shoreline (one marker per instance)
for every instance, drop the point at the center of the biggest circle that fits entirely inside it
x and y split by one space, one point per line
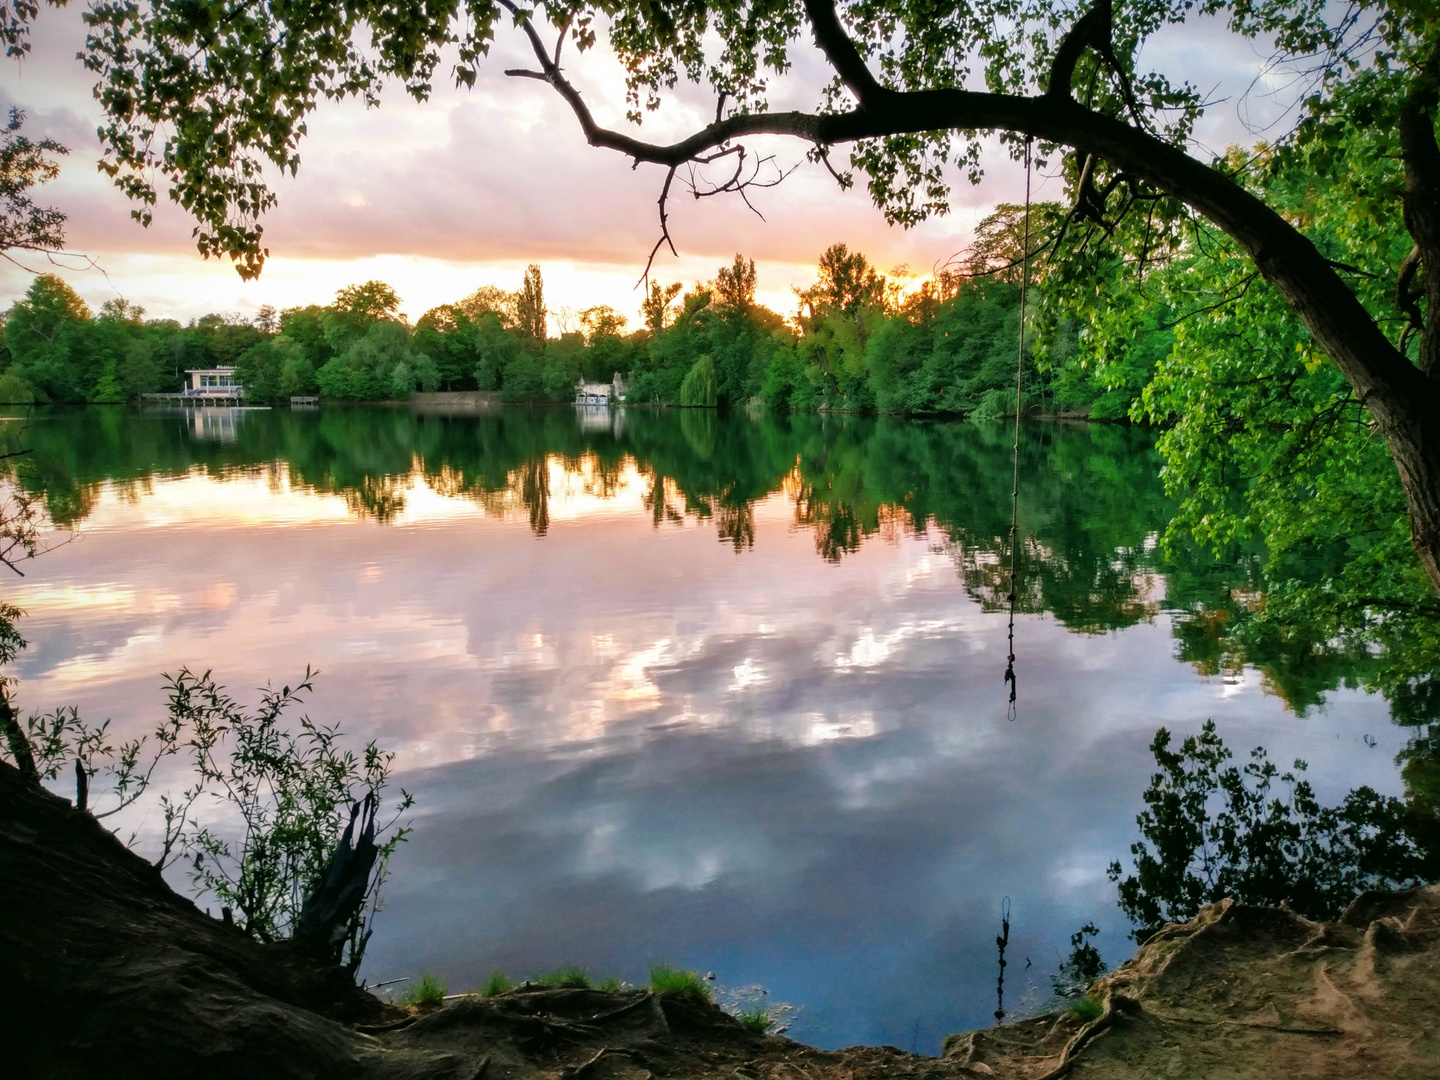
123 977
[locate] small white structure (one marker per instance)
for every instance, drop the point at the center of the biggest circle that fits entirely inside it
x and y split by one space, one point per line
599 393
592 393
212 382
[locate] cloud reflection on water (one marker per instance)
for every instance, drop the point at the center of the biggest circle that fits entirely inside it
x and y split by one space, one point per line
633 744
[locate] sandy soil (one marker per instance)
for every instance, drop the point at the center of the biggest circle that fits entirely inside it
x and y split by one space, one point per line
110 974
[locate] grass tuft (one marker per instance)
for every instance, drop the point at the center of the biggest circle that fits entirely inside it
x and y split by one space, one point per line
756 1020
568 978
1087 1008
427 993
497 983
610 984
665 979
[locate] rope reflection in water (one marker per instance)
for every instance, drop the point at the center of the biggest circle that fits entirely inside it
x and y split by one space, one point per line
1015 484
1001 940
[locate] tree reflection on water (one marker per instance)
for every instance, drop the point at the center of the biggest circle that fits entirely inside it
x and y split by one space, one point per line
1094 555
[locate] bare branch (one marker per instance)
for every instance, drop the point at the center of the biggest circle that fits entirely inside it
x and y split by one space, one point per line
990 271
1350 268
822 154
1230 296
664 227
738 183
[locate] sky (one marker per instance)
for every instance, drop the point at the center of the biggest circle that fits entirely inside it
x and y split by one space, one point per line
466 189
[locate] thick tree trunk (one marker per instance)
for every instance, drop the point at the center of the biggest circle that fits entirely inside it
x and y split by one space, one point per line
15 740
1414 442
1416 445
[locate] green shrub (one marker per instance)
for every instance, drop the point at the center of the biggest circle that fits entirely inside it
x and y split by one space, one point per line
665 979
756 1020
610 984
699 388
1086 1008
497 983
293 791
427 993
14 390
570 978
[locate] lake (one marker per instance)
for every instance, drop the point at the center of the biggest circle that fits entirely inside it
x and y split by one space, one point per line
720 690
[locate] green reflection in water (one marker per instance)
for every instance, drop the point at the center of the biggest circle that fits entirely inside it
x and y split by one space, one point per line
1093 510
1092 505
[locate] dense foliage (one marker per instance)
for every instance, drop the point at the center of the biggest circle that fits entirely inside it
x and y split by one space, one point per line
25 164
859 343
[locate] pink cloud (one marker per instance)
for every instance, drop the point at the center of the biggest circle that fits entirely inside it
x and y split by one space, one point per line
501 176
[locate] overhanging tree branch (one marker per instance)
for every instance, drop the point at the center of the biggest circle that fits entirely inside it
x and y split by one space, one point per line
1401 397
843 55
1283 255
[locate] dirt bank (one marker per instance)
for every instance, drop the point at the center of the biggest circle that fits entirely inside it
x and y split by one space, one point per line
108 973
1243 992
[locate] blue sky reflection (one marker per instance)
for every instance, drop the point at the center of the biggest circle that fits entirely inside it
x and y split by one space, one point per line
631 744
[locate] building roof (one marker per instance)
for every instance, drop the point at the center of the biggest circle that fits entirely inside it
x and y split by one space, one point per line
210 371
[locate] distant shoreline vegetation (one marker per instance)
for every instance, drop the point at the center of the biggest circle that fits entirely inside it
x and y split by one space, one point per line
859 342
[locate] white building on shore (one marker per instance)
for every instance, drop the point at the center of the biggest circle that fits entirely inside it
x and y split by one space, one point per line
592 393
218 381
599 393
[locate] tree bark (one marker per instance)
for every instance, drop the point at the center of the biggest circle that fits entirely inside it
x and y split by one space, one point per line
15 740
1414 443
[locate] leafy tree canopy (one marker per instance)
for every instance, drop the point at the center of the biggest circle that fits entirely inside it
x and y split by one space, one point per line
490 298
373 300
25 225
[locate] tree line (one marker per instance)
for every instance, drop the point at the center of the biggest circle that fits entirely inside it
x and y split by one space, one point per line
859 341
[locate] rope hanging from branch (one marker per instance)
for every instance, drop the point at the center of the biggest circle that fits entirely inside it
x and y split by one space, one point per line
1015 484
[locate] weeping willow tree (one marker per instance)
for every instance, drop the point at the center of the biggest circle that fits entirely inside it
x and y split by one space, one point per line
700 388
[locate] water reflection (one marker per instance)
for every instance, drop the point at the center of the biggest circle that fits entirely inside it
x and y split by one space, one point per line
1091 506
782 756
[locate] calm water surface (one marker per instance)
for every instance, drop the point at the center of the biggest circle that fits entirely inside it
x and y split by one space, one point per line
721 691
